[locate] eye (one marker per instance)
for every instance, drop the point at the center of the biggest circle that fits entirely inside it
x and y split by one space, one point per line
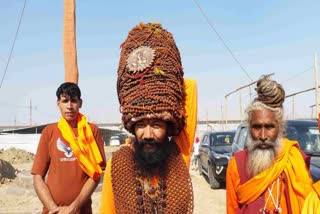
256 126
139 125
156 125
270 126
64 100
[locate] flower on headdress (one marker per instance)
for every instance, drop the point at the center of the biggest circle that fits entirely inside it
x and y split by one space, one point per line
140 58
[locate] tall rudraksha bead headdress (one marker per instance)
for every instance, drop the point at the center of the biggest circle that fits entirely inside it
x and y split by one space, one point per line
150 78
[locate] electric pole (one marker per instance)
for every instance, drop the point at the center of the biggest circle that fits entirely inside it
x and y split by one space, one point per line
316 84
240 105
30 112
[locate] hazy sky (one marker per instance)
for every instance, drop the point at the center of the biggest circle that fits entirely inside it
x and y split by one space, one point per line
271 36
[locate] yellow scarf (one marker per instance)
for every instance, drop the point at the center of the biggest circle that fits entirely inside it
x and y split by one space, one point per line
312 202
84 147
299 180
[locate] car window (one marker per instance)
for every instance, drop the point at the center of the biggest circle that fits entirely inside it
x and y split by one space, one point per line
205 140
243 138
307 135
221 139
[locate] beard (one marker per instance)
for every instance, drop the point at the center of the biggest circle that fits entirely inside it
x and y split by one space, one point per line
150 162
262 154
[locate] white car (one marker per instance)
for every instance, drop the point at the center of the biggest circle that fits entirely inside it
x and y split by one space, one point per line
114 141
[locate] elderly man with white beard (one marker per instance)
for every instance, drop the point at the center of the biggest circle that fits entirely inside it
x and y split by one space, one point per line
270 176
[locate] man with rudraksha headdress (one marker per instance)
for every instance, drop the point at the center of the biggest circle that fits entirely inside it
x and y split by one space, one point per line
159 107
271 175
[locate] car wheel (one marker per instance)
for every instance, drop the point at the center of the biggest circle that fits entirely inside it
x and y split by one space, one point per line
214 183
200 167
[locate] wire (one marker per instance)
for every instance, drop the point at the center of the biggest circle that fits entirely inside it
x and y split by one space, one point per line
221 39
298 74
14 41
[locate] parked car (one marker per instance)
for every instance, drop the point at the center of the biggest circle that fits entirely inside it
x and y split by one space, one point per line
114 140
118 139
214 155
304 131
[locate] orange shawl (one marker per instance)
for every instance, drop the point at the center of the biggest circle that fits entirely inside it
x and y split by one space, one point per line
84 147
289 161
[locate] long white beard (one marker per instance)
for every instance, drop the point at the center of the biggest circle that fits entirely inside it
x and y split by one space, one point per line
261 159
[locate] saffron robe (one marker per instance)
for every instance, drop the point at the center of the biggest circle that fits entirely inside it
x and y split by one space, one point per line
295 183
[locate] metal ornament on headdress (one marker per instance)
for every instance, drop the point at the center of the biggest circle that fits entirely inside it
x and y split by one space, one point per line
140 58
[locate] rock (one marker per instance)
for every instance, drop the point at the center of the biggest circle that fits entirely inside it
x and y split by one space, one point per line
7 171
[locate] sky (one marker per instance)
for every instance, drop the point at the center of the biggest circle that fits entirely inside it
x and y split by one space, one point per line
280 37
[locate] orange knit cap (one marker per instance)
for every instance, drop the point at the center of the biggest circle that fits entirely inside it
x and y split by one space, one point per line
150 78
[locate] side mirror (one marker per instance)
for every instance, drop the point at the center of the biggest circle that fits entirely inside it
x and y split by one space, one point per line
205 145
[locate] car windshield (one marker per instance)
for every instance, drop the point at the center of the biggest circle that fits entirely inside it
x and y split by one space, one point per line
307 135
222 139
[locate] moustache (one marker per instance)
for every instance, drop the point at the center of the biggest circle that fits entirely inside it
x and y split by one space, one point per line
263 144
148 141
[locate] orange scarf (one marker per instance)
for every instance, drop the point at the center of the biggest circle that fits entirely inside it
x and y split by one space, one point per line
186 137
84 147
299 180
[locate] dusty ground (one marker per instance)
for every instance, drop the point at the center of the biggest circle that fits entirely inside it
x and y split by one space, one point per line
17 195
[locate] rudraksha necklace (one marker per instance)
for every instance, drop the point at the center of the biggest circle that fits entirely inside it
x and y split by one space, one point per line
150 199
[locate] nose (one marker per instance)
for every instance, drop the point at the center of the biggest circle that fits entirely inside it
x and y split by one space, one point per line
148 133
69 104
263 135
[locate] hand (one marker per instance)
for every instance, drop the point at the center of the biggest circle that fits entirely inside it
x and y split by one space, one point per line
63 210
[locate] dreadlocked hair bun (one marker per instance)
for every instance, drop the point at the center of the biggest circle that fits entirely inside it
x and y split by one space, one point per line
150 78
270 92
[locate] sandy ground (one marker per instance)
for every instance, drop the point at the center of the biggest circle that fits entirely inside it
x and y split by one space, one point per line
18 195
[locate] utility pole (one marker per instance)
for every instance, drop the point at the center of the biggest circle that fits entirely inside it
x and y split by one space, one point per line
30 112
312 117
316 84
300 92
223 126
207 119
240 106
293 107
250 93
226 109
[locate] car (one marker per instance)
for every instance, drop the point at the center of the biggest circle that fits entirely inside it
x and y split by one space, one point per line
117 139
306 132
214 155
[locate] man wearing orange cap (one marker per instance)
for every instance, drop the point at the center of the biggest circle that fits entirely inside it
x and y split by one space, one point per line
159 107
70 156
270 176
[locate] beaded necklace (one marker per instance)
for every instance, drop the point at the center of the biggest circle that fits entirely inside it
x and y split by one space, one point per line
150 199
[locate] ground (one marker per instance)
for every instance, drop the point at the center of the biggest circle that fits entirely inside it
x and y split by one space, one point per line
17 195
